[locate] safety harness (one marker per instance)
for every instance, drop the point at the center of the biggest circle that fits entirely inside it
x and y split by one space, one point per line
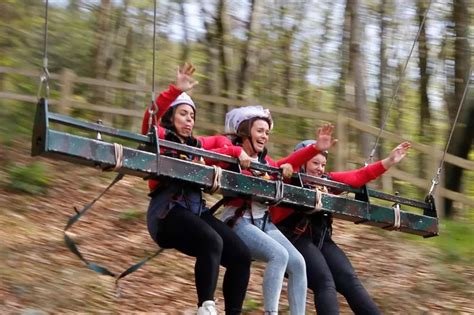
300 222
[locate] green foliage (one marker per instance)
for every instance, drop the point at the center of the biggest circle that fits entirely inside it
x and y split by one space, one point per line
455 240
16 120
131 215
30 178
251 305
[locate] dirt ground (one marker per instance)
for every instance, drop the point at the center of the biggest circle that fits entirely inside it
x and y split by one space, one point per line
39 275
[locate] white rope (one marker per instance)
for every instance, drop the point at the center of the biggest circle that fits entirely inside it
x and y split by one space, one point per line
216 180
279 192
318 203
118 148
396 214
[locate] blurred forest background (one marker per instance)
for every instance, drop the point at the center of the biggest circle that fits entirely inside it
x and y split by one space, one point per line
341 61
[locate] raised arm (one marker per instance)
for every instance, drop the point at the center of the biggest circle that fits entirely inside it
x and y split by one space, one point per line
363 175
184 82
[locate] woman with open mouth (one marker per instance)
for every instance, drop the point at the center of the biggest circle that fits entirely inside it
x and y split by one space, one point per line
250 127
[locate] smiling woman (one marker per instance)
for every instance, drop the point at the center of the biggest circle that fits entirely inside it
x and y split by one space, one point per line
250 126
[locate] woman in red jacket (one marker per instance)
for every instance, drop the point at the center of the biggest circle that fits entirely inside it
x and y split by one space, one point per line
249 218
328 269
177 217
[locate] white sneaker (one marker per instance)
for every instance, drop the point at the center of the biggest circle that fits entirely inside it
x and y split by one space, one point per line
207 308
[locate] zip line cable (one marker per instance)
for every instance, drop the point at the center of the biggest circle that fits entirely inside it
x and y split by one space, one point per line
153 108
435 180
44 77
395 94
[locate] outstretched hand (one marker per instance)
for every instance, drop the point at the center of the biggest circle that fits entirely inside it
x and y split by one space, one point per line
324 137
397 154
184 77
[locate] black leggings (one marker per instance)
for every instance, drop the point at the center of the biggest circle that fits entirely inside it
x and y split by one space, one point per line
213 243
329 271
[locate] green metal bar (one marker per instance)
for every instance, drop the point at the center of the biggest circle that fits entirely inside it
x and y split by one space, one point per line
118 133
91 152
372 193
97 153
66 120
85 125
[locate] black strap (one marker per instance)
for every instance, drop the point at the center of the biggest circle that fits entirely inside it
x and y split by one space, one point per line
300 227
72 220
265 218
135 267
239 212
218 204
97 268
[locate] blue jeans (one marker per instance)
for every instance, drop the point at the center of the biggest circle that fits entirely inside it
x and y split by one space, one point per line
272 247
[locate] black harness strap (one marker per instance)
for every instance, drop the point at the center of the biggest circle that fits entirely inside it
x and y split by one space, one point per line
73 247
97 268
72 220
218 204
239 212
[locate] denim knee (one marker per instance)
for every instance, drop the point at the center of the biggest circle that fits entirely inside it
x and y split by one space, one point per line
280 255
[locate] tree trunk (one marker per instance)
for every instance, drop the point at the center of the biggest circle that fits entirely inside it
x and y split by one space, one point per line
225 69
357 71
464 130
249 50
185 43
344 102
118 44
426 130
286 41
287 59
383 70
101 48
102 39
212 84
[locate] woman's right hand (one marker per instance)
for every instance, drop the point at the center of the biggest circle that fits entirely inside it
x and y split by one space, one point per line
244 160
324 138
184 77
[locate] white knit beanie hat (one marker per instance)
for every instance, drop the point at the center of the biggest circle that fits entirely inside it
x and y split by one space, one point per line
183 98
235 117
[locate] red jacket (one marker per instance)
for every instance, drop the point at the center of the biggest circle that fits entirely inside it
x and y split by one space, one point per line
163 102
354 178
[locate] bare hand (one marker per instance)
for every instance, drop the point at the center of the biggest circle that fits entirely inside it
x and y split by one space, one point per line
324 137
184 79
244 160
286 170
397 154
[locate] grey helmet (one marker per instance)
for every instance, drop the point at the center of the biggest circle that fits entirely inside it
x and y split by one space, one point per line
305 143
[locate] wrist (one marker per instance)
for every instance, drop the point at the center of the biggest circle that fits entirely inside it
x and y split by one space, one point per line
387 163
